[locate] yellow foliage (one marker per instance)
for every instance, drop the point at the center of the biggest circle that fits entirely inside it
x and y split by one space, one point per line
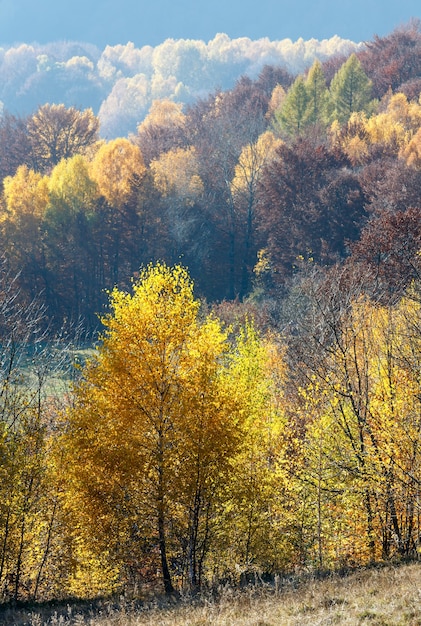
116 168
251 162
26 193
401 111
276 100
255 516
156 419
263 265
411 152
396 126
383 129
164 113
176 173
70 184
363 436
353 139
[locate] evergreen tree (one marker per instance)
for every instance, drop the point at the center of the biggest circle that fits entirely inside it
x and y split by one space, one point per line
350 90
318 95
292 117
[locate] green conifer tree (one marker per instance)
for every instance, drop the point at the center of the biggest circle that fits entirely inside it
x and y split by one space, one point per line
350 90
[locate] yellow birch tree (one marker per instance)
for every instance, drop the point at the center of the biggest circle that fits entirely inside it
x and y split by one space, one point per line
153 427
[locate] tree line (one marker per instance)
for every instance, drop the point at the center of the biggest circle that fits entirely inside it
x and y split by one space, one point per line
276 168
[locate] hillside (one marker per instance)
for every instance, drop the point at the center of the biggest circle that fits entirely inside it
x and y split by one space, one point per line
387 596
270 173
238 282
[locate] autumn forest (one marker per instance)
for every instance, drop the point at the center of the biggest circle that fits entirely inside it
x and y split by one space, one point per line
211 333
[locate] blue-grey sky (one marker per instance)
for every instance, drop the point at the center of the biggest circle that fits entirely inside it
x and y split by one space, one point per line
103 22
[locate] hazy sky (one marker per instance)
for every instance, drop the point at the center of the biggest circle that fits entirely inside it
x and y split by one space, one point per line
150 22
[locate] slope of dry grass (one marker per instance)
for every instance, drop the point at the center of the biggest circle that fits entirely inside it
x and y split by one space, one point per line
389 596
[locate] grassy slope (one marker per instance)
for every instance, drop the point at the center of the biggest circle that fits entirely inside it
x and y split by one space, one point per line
389 596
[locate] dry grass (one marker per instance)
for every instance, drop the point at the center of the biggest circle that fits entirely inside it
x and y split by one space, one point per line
389 596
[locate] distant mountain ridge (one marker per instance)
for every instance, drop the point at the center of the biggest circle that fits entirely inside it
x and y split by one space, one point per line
120 82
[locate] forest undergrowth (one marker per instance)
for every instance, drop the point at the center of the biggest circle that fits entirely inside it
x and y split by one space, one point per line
381 596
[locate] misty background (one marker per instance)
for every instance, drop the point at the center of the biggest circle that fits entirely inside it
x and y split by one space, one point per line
120 82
